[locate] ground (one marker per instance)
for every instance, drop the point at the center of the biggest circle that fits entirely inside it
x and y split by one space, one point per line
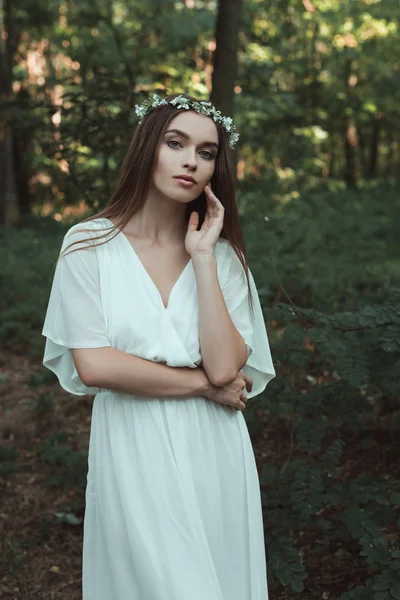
40 551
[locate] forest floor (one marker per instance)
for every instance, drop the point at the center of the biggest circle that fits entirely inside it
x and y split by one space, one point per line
40 553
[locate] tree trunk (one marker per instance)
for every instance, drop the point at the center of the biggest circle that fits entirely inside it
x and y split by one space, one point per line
226 55
332 157
390 143
362 145
350 133
350 150
9 202
375 141
226 60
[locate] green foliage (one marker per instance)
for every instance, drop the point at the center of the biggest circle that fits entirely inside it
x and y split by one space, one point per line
43 377
327 273
338 376
330 250
311 74
8 460
383 586
44 404
71 464
338 386
27 261
68 518
308 71
285 561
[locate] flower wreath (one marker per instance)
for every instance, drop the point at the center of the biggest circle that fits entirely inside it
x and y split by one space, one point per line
203 107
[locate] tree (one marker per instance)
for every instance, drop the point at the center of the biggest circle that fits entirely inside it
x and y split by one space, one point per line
226 55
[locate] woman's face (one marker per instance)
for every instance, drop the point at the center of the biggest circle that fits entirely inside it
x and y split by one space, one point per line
189 147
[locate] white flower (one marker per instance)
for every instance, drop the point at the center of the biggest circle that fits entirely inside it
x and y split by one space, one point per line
140 110
216 114
203 107
228 123
178 100
233 138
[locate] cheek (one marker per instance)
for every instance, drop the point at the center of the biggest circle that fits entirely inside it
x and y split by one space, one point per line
211 169
166 160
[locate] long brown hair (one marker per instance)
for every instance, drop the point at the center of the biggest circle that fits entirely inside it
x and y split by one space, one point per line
137 172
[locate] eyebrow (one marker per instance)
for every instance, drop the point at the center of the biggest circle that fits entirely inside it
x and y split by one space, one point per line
186 136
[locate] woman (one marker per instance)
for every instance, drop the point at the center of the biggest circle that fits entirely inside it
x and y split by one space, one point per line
173 509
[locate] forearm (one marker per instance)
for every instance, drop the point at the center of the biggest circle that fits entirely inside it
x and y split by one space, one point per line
115 370
223 349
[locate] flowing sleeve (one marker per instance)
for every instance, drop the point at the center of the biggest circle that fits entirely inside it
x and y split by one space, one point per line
74 316
259 364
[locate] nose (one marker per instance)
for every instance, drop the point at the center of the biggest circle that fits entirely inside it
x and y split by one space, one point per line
190 160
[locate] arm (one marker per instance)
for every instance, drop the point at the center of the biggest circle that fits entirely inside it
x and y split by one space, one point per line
223 349
112 369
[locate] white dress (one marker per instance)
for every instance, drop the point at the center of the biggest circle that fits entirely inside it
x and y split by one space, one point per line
173 505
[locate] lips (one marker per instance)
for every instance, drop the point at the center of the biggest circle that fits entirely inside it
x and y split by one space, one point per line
185 178
187 183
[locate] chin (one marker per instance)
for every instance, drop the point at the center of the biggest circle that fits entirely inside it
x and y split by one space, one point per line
184 200
183 195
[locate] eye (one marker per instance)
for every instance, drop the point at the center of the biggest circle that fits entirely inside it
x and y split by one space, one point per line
209 156
173 142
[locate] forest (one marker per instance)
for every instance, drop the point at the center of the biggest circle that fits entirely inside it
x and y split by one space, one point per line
313 87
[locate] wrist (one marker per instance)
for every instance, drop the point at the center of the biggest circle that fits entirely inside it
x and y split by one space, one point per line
202 383
203 261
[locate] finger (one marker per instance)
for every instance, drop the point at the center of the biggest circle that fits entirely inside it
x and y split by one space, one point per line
213 206
209 208
193 221
216 205
210 194
209 204
248 380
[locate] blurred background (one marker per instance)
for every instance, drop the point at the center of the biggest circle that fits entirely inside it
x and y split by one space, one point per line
314 90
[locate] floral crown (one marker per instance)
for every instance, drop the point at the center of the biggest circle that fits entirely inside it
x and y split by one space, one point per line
203 107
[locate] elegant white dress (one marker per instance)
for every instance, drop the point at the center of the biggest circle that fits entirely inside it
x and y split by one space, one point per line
173 505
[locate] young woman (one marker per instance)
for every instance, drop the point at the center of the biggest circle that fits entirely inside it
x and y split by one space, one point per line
153 309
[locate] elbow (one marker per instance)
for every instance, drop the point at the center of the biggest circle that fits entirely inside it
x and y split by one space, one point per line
85 366
87 378
220 380
92 375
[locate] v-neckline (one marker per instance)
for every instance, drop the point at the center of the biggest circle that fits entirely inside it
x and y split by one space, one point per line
146 273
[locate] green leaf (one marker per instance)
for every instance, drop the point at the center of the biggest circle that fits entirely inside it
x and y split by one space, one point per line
297 585
395 593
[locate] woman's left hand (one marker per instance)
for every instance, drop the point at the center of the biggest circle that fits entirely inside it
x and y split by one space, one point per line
204 241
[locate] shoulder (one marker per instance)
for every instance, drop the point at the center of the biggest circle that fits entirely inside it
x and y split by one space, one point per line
82 235
86 230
